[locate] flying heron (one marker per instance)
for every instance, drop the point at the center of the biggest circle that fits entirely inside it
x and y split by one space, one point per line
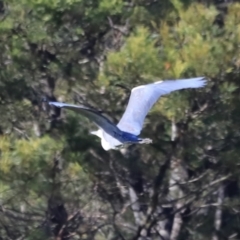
141 100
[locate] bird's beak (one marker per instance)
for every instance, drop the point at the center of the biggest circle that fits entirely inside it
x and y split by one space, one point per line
93 132
97 133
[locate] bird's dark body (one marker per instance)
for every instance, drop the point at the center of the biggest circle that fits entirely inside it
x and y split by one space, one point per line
130 137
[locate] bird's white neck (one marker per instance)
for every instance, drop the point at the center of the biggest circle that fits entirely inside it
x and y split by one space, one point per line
107 141
105 144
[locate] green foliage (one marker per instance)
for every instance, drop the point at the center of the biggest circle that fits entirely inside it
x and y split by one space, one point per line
194 42
56 180
137 59
113 6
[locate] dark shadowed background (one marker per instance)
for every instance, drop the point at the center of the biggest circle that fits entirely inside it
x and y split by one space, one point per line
56 181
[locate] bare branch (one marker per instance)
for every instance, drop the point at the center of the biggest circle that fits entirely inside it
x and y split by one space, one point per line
218 213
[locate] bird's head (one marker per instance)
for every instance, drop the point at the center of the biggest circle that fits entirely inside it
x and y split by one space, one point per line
97 133
107 145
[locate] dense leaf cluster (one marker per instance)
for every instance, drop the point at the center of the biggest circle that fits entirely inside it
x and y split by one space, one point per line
56 181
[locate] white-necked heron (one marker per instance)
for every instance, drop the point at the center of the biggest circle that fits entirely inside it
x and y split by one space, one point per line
141 101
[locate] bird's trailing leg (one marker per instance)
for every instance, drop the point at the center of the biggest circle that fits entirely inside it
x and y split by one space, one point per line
140 141
145 141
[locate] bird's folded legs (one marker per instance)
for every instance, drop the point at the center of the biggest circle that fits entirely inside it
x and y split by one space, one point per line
145 141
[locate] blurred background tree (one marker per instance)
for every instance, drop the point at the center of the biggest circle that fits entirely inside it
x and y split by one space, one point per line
56 181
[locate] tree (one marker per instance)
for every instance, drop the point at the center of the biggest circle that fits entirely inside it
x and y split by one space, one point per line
56 180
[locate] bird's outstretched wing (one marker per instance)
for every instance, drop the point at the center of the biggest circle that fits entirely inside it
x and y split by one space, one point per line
144 97
101 121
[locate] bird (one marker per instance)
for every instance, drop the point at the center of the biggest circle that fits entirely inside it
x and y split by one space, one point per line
142 99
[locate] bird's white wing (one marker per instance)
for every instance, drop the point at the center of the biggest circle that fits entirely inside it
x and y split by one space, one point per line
144 97
101 121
